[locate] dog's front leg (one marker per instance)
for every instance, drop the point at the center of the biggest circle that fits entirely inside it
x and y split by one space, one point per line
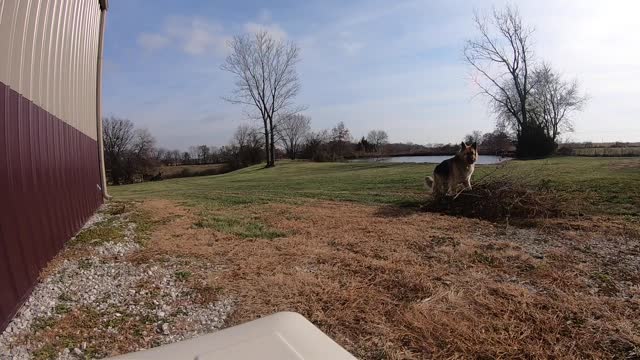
468 183
451 190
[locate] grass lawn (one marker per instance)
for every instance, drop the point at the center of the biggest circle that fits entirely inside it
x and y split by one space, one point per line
346 245
608 185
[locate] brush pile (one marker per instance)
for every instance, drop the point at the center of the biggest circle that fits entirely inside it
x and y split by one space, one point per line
501 196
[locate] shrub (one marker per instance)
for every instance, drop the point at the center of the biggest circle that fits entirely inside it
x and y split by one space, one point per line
533 142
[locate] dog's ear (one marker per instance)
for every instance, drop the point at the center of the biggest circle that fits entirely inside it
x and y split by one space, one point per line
463 146
474 145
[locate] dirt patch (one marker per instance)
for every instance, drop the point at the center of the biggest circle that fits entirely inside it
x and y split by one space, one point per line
418 285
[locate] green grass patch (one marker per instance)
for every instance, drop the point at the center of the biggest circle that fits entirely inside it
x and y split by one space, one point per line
65 297
182 275
46 352
103 232
42 323
144 225
61 309
245 228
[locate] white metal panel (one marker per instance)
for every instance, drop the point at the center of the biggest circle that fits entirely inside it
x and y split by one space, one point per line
17 38
73 72
45 46
48 54
52 64
34 54
92 79
8 10
63 65
26 56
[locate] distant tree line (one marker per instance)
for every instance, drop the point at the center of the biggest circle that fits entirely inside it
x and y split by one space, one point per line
128 152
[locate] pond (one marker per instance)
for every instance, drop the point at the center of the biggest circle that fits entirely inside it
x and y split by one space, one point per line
482 159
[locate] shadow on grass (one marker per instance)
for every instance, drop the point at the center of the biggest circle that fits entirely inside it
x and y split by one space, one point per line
400 209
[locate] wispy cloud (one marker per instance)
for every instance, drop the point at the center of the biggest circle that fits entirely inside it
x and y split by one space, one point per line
265 23
192 35
198 36
275 30
152 42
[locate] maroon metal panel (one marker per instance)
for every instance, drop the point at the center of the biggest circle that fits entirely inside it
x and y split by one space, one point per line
9 288
49 176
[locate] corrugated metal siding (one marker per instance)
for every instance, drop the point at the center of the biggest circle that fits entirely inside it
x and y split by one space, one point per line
49 168
49 52
49 176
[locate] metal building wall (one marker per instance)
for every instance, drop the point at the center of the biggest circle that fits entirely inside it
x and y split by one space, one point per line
49 158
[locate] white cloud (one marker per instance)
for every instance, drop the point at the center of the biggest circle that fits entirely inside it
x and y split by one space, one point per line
194 36
197 36
273 29
152 42
265 23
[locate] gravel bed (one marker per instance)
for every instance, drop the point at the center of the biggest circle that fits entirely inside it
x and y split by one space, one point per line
113 287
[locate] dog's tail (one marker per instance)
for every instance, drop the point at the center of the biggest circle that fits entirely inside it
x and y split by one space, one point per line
428 183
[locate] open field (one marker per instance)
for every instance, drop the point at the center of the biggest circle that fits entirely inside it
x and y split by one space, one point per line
348 246
608 151
607 185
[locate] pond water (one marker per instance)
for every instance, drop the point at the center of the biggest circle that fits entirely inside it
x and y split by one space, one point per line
482 159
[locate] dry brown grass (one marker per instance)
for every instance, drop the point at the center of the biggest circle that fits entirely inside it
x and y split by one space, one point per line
396 284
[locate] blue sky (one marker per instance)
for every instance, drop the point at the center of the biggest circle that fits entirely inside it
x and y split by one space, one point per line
393 65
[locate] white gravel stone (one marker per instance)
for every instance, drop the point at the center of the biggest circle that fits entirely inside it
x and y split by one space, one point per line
106 282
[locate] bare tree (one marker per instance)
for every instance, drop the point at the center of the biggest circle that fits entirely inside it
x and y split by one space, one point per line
292 130
377 138
502 58
474 137
242 134
340 139
193 154
140 157
553 101
118 134
266 79
129 152
173 157
315 145
340 133
143 143
248 143
186 158
203 154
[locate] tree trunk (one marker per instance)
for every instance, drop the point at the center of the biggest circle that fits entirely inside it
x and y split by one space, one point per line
273 146
266 144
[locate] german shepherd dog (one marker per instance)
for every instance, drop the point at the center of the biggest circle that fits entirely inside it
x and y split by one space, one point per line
451 173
